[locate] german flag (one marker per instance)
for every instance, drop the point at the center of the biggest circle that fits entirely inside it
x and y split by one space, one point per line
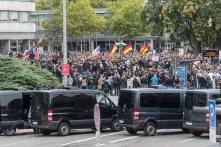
113 50
127 49
143 49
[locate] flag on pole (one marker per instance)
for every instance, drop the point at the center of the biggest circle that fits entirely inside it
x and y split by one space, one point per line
143 49
113 50
120 45
39 41
127 49
96 51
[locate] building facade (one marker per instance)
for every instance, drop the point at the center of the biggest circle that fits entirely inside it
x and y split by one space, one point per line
16 28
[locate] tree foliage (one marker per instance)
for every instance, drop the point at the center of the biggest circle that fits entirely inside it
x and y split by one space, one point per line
125 18
195 21
81 18
23 75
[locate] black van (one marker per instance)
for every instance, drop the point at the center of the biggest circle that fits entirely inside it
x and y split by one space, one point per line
62 110
150 109
196 111
14 110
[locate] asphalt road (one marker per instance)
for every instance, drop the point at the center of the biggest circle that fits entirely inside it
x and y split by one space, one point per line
87 138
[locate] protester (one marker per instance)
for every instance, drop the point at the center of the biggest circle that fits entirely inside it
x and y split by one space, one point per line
112 73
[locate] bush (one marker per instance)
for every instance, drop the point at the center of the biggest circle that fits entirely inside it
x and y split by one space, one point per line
18 74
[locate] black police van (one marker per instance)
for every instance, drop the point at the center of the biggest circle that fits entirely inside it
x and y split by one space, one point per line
62 110
14 111
150 109
196 111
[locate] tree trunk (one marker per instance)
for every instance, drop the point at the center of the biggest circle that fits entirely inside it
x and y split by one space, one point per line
135 44
89 42
81 45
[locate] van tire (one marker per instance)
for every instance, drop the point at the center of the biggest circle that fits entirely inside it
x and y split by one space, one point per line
115 126
150 129
45 132
1 131
64 129
131 131
9 132
197 134
186 130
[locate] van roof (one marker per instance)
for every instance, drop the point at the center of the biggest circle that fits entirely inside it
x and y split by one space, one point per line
8 92
66 90
217 91
140 90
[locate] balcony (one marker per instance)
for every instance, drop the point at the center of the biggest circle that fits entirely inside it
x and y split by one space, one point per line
17 27
8 5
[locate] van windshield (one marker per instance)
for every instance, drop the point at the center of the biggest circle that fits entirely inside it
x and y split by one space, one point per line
40 100
126 99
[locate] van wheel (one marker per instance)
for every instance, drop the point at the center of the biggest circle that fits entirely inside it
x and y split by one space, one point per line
64 129
115 126
150 129
131 131
45 132
10 132
185 130
197 134
36 131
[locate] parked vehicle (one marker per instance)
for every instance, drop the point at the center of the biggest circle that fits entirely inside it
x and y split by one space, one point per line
62 110
150 109
14 110
196 111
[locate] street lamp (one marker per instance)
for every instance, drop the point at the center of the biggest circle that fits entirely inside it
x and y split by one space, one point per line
64 39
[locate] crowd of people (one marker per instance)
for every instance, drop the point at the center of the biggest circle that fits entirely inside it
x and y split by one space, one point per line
110 74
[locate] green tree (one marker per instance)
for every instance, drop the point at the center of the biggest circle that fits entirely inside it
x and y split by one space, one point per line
23 75
125 18
195 21
81 18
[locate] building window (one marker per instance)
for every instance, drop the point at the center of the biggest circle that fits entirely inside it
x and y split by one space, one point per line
23 16
3 16
14 16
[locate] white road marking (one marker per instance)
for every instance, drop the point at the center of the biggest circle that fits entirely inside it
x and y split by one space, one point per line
87 139
115 141
187 140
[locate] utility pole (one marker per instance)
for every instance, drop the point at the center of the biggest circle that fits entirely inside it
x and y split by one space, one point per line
51 26
64 39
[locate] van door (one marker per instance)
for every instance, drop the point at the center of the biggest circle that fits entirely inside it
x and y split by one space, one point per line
200 110
188 109
150 106
83 105
171 113
105 109
126 103
39 108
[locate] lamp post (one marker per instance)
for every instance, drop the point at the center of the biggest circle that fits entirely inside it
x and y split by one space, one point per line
64 39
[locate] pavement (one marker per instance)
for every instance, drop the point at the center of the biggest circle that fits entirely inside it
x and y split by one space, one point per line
87 138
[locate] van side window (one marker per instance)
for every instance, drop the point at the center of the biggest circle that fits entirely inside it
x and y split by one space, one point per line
201 100
11 102
170 100
102 100
83 102
62 101
126 100
189 100
150 100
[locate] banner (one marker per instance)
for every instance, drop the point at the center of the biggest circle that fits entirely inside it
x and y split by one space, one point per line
182 74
